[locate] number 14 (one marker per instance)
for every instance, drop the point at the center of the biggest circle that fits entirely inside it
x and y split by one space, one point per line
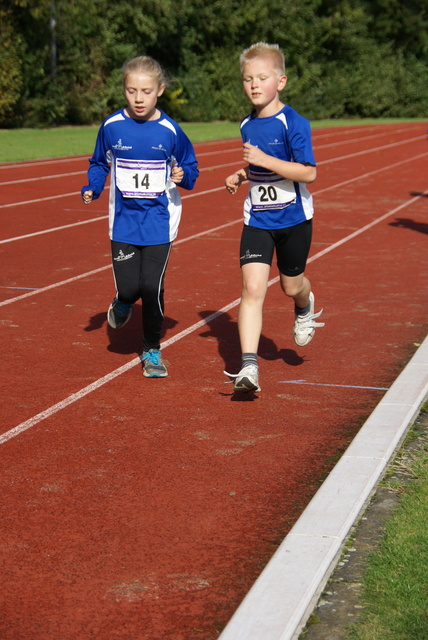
144 184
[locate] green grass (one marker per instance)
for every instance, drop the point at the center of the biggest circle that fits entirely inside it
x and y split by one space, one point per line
395 587
17 145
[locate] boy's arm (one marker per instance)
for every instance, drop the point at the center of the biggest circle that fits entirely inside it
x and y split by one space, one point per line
294 171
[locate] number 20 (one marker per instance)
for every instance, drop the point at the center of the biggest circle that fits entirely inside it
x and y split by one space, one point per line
268 195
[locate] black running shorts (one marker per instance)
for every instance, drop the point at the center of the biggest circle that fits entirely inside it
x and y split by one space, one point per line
292 246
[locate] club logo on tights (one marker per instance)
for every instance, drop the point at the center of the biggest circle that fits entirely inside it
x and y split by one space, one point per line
121 256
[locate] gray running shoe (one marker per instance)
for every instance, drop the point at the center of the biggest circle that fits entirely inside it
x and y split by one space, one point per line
118 314
153 366
304 326
247 379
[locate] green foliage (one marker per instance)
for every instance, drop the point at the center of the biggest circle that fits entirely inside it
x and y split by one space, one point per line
62 59
11 78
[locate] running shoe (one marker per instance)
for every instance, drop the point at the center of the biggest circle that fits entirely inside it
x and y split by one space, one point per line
153 365
246 380
304 326
118 314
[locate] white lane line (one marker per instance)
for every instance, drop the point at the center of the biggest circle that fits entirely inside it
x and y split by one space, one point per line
177 242
315 133
56 175
108 266
79 173
327 384
59 196
182 334
52 229
194 195
40 163
322 162
350 140
366 151
78 224
370 173
107 378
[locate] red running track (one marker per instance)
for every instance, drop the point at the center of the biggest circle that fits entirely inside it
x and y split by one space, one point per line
144 509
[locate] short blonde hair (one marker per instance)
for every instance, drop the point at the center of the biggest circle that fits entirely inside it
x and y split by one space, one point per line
146 65
264 50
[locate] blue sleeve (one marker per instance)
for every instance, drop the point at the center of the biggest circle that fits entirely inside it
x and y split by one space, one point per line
99 165
300 141
186 159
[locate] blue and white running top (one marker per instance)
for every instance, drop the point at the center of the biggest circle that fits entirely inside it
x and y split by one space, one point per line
144 205
272 201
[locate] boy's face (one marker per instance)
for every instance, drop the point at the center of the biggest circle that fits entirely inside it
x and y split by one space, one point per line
141 93
262 85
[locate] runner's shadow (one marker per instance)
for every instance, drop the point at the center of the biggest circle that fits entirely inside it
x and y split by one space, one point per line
225 331
407 223
419 194
129 338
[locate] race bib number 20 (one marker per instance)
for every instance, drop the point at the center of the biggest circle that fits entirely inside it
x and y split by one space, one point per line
140 178
272 194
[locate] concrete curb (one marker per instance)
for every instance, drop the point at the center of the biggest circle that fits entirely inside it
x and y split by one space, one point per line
286 592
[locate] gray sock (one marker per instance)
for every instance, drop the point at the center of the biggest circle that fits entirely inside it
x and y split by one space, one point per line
304 311
249 358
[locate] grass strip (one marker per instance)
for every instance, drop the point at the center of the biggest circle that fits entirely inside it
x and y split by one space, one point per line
18 145
395 586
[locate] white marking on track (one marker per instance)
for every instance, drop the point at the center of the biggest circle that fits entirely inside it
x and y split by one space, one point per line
179 336
323 162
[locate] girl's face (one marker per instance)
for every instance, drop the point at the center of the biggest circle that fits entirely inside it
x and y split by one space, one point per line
141 93
262 85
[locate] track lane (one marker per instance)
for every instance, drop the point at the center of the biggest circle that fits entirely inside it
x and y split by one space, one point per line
163 503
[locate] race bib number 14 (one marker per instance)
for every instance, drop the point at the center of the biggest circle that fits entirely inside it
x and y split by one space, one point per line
140 178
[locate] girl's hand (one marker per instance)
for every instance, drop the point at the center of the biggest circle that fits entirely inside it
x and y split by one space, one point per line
87 196
177 174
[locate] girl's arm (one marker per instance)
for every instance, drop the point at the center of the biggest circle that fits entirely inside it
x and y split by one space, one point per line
185 171
99 168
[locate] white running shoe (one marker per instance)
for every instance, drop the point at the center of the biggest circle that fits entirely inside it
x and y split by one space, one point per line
304 326
246 380
118 313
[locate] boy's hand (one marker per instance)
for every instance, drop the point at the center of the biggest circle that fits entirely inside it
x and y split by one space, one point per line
234 181
177 174
87 196
253 155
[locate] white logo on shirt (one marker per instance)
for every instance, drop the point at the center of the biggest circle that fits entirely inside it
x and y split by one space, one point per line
120 146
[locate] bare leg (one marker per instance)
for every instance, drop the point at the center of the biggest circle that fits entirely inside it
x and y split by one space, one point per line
255 276
296 287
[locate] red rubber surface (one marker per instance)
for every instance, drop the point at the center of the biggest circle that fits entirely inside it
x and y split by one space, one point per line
144 509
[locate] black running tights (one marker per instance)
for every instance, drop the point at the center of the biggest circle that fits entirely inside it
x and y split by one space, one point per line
139 272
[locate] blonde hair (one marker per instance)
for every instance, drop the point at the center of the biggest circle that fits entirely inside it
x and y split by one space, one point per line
146 65
264 50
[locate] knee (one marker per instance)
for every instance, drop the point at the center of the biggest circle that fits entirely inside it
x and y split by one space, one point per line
150 290
128 294
253 290
291 287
